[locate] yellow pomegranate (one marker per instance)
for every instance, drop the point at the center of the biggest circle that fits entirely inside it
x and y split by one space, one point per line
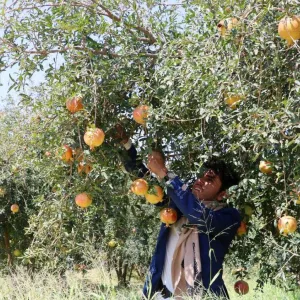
67 155
139 187
265 167
225 26
289 29
2 192
157 197
94 137
112 243
17 253
287 224
232 101
83 200
15 208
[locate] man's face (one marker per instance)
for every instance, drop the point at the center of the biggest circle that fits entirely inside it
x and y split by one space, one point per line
207 187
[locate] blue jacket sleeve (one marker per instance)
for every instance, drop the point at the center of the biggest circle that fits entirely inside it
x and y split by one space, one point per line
209 221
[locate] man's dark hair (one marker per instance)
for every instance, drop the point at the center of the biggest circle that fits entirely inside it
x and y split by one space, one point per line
225 171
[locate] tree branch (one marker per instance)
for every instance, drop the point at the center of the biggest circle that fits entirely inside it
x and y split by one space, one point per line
150 37
78 4
79 48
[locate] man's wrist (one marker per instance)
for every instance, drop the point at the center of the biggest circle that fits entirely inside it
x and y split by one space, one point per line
169 176
128 144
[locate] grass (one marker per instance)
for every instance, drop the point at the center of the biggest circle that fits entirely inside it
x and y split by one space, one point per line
97 284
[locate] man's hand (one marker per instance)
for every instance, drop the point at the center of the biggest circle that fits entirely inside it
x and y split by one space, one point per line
120 134
156 164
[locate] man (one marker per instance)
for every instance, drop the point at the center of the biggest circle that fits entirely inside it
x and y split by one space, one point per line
188 258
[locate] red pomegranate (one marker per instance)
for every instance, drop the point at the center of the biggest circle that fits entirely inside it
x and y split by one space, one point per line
67 155
83 200
84 168
168 215
242 229
74 104
15 208
241 287
140 114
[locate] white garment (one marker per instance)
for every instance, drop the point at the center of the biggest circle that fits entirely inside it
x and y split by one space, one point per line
173 238
159 296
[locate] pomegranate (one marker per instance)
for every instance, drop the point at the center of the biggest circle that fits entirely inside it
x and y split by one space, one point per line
168 215
242 229
232 101
83 200
94 137
248 209
295 193
74 104
287 224
265 167
2 192
17 253
84 168
48 154
112 243
140 114
225 26
15 208
139 187
289 29
67 156
241 287
157 197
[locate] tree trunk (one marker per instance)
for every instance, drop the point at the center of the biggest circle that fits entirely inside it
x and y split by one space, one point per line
7 246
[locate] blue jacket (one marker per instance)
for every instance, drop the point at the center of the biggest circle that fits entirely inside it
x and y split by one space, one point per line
216 231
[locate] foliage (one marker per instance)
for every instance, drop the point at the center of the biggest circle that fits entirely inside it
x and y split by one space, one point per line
119 54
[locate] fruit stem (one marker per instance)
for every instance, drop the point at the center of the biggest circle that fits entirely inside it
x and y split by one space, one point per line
78 130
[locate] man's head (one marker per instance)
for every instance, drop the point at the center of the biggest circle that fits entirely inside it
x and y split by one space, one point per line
216 179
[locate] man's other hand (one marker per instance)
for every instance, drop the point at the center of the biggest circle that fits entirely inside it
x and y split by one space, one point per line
156 164
120 134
